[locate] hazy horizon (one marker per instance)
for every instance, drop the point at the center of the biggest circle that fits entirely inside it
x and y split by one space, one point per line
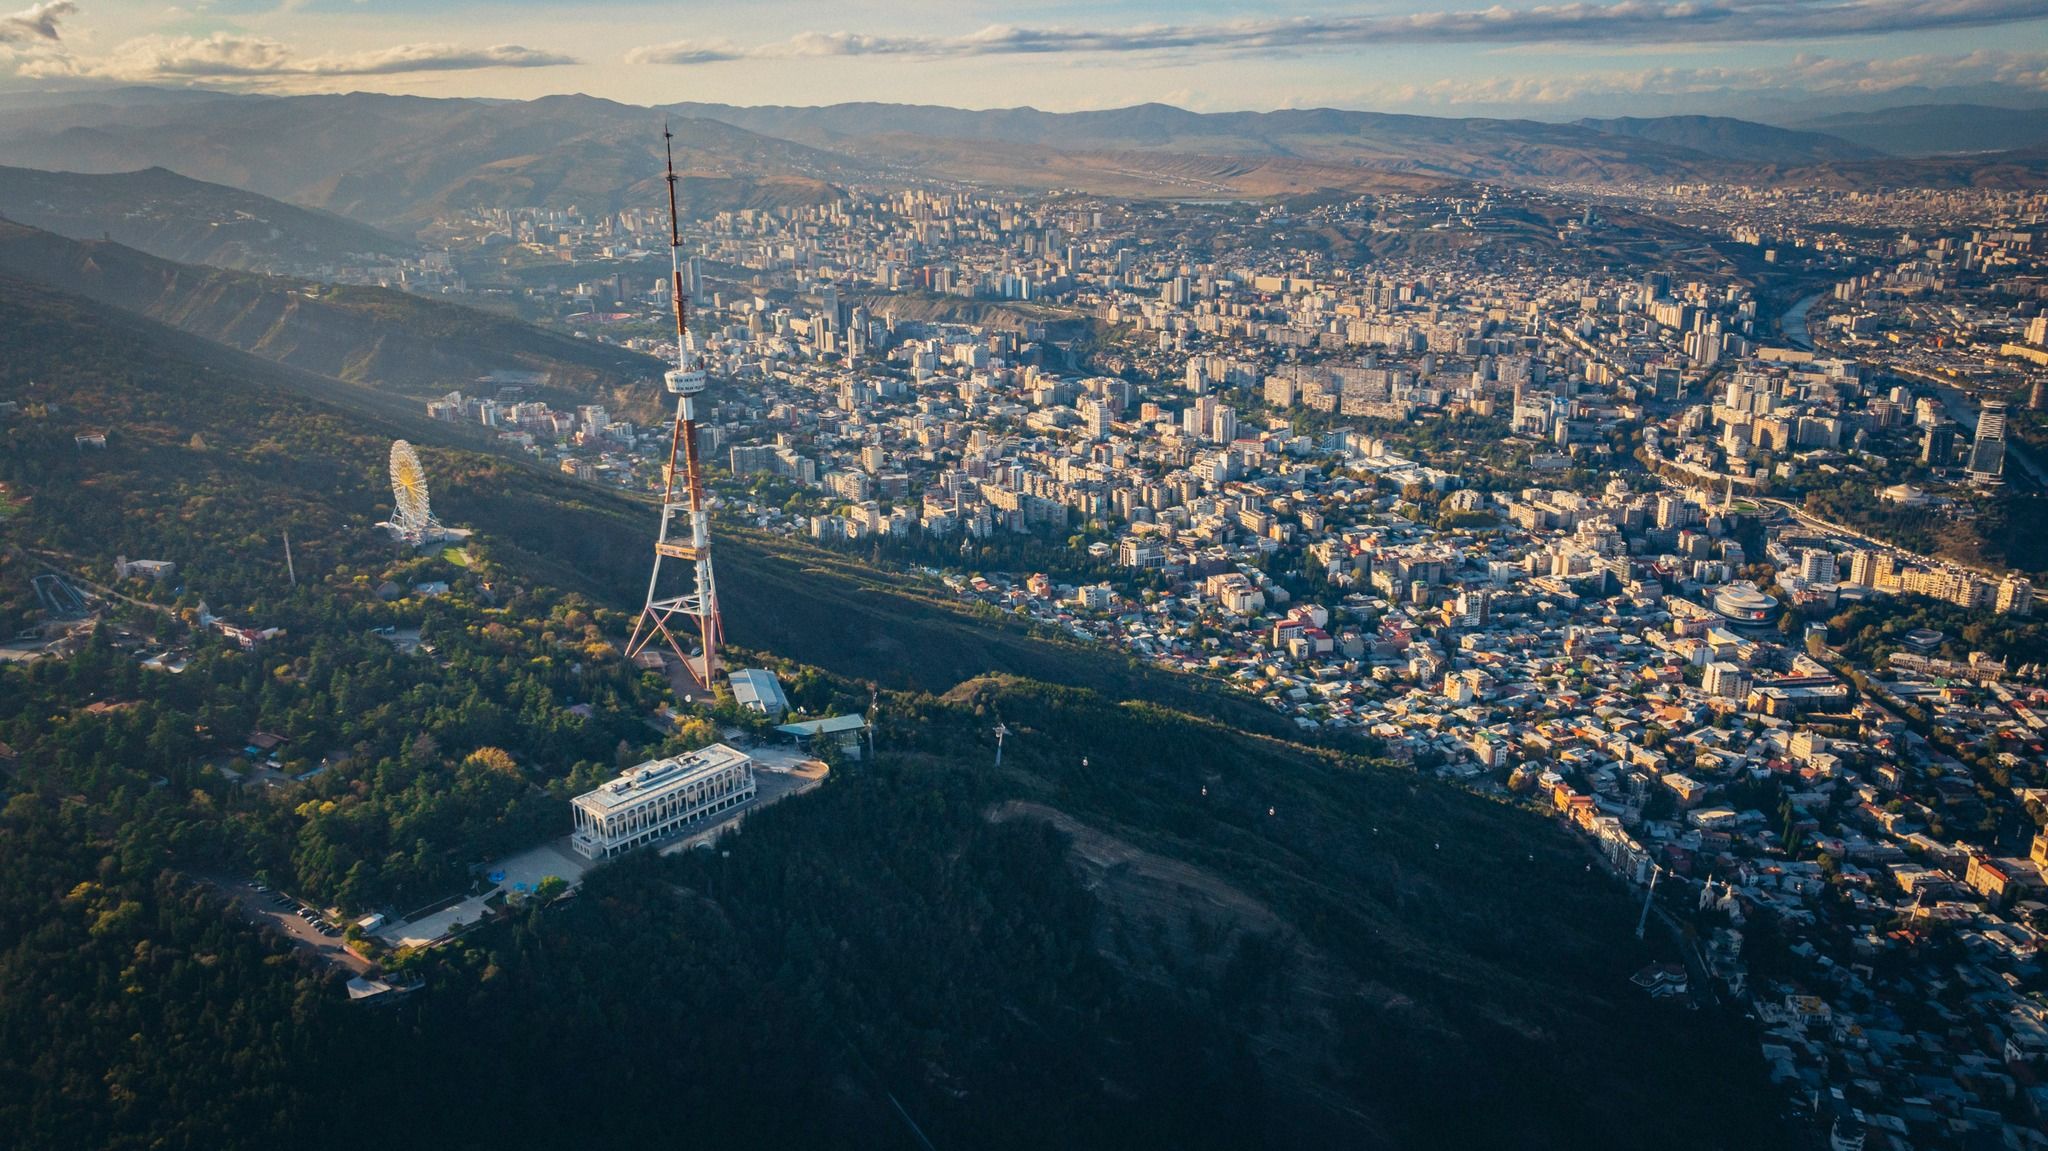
1772 60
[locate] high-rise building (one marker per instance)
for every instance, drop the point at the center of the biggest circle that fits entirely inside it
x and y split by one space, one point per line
1096 416
1938 444
2015 596
1223 424
1987 452
1817 566
1675 511
1725 680
1991 420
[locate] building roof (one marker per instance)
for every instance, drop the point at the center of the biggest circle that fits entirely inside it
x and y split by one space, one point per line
836 725
758 688
660 775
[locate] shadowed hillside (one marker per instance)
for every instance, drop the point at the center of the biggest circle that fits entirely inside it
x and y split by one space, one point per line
1733 139
193 222
363 335
397 161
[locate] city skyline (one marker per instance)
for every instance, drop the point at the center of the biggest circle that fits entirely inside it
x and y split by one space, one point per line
1761 59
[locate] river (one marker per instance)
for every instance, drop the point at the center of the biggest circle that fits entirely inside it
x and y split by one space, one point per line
1794 323
1962 407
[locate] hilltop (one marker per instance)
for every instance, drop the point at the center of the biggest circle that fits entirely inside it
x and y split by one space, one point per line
160 212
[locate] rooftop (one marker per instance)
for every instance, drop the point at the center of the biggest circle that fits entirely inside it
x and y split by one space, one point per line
660 775
758 689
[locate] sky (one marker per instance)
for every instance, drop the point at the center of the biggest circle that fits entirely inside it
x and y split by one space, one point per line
1767 59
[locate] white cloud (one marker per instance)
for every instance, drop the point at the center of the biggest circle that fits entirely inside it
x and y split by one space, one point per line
1805 74
686 52
225 57
1620 22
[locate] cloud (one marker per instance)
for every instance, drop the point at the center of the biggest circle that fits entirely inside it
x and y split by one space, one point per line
223 57
37 22
1622 22
1805 74
686 52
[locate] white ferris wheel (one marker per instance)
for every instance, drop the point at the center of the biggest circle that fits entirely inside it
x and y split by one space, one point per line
413 517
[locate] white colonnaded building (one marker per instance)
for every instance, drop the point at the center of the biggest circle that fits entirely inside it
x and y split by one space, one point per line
659 798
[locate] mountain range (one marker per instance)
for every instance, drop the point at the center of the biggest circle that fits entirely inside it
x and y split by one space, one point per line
1732 139
399 162
1938 129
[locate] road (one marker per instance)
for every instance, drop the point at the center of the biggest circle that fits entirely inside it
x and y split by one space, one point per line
1815 522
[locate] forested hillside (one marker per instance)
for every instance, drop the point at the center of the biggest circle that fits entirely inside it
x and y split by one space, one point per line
374 336
191 221
1152 928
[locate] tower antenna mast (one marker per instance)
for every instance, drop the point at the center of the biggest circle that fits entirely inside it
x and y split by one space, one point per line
685 381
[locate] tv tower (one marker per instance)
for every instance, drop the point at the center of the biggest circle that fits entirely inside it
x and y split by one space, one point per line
686 380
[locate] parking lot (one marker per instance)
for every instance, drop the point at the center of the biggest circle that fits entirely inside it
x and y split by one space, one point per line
274 909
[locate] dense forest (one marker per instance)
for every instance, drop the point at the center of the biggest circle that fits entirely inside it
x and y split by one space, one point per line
1161 923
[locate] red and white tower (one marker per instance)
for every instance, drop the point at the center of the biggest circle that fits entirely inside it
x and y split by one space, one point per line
682 492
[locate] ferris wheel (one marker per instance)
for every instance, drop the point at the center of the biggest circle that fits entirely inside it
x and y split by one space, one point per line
413 517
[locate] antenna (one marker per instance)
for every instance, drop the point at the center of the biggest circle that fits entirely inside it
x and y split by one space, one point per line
675 245
685 380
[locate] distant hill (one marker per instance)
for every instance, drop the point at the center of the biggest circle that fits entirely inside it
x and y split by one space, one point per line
1733 139
1938 129
1334 138
1157 149
396 161
377 336
399 161
191 221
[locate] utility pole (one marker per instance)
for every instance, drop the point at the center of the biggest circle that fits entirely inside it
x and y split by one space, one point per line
1001 731
874 714
289 570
